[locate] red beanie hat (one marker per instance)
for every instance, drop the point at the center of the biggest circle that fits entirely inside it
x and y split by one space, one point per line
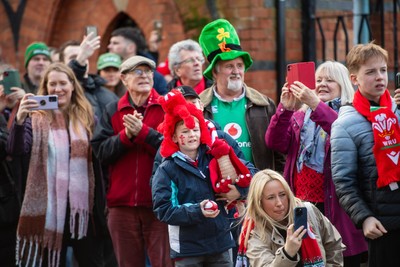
176 109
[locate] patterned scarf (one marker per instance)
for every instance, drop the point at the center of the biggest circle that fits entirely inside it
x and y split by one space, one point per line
60 169
386 130
310 252
312 141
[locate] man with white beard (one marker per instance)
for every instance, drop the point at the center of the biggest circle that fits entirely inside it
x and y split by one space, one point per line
241 111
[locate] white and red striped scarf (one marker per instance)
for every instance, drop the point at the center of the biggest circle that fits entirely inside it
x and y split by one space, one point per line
60 169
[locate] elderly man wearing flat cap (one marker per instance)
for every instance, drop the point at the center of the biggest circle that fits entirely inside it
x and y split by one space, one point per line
126 140
240 110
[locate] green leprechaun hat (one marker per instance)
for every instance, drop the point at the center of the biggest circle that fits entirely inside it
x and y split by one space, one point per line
219 41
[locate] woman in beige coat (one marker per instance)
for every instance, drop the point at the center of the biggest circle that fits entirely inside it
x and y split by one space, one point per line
269 234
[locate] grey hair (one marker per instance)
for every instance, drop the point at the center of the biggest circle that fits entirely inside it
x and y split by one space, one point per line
174 56
340 74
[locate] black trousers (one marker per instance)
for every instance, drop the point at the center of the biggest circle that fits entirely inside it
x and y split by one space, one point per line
384 251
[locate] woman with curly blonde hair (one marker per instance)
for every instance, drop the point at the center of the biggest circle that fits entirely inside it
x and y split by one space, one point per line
269 232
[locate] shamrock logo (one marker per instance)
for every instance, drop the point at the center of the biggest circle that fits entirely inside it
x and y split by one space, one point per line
222 34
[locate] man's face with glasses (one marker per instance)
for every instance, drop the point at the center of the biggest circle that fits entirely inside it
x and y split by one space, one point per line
138 80
190 68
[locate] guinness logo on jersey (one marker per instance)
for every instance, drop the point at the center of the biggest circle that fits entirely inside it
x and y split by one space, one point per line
233 129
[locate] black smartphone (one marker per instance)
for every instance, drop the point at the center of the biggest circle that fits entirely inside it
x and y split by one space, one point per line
157 26
45 101
300 218
91 29
397 80
10 79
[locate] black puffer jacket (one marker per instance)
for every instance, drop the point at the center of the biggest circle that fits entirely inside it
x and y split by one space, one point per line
95 91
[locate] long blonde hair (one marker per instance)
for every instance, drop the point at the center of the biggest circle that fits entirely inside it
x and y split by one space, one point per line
255 211
79 110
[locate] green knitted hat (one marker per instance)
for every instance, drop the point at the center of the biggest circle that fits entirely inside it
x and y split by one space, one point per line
108 60
36 49
219 41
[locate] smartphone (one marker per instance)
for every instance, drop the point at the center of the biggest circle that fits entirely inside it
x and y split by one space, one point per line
300 218
303 72
45 101
157 26
10 79
397 80
89 29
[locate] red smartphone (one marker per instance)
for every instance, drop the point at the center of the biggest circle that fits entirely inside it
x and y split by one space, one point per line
303 72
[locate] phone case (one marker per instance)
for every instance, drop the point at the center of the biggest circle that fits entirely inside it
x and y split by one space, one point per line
303 72
300 218
11 79
157 26
46 101
90 29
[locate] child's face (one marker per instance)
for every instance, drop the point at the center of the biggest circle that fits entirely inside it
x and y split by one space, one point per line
371 78
187 139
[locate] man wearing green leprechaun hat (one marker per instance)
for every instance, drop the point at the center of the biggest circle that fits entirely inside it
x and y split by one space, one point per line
240 110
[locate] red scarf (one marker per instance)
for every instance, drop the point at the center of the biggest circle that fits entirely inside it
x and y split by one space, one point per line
200 87
386 130
310 252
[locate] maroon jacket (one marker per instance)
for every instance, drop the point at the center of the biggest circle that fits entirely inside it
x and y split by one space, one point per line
130 161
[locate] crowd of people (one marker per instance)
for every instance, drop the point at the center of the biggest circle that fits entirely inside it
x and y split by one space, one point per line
182 164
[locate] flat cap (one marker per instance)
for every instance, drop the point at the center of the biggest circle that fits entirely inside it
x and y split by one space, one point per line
135 61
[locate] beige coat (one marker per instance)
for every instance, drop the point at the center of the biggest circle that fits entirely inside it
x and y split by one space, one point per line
269 253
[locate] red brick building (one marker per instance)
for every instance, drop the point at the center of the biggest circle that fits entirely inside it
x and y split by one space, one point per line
274 32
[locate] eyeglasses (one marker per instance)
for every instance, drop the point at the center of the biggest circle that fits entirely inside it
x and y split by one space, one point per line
191 60
139 72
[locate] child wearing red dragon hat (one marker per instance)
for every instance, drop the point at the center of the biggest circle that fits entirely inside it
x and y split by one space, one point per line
182 187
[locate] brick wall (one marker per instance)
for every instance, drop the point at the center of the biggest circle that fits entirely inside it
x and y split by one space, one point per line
57 21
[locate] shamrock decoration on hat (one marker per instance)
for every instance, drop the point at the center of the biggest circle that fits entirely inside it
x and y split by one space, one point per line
219 41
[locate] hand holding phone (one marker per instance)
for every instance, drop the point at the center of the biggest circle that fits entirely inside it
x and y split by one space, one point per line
91 29
10 79
300 218
303 72
157 26
46 102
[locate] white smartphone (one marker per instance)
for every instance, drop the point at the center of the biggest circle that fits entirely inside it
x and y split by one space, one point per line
45 101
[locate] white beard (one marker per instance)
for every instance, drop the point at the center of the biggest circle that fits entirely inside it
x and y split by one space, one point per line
235 85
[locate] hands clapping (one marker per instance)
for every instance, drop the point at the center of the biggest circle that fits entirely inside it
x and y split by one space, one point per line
133 124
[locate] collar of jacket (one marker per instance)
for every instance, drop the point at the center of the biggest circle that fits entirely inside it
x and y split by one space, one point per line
251 94
151 100
202 159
